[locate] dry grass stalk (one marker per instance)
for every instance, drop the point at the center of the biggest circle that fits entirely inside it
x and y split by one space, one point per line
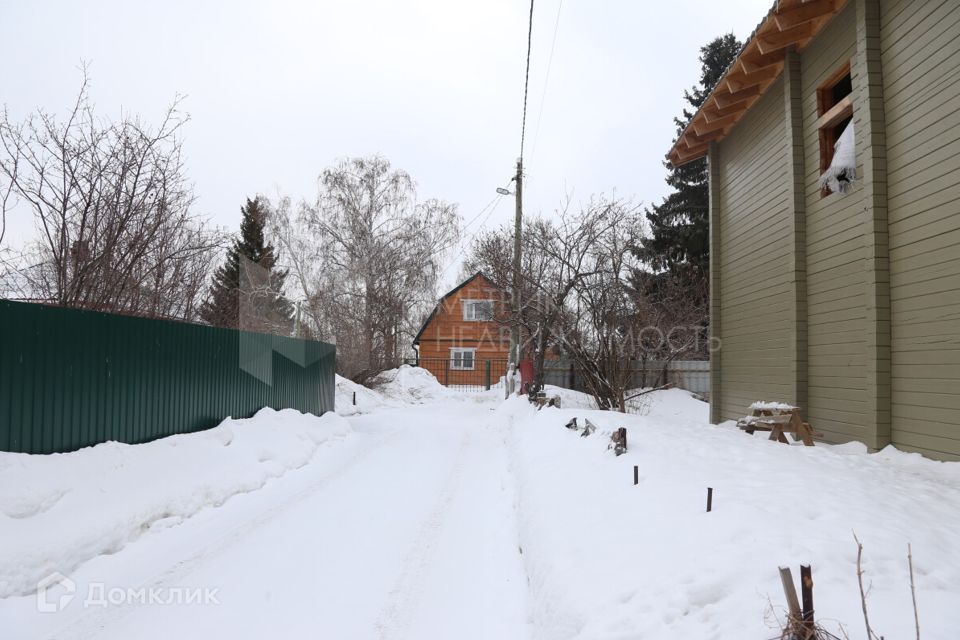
913 591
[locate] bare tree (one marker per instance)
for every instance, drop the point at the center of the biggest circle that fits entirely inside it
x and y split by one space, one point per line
112 206
366 256
492 253
596 330
669 321
574 292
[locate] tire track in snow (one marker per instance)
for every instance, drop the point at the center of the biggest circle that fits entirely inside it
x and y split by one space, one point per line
396 615
89 624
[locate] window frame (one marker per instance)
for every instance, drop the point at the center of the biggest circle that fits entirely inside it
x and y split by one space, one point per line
831 114
470 304
460 351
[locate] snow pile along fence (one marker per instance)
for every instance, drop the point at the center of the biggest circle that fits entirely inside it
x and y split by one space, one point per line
57 512
74 378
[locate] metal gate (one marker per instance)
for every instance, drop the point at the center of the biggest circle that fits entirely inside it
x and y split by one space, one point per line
478 374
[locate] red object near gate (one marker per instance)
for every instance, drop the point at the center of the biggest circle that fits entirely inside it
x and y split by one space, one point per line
526 375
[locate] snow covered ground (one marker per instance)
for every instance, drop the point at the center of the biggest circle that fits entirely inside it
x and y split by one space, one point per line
58 511
428 514
607 559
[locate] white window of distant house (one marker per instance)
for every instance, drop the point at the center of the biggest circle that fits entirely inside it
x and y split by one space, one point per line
462 359
477 310
835 127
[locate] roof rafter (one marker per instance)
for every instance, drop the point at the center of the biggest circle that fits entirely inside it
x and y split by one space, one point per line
776 40
738 82
806 12
753 61
789 23
706 127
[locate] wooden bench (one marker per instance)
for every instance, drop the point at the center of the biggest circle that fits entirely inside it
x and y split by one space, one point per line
779 420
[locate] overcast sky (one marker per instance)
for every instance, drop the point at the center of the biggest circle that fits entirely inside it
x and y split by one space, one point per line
279 89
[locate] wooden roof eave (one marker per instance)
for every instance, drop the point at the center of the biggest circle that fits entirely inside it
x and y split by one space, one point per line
790 23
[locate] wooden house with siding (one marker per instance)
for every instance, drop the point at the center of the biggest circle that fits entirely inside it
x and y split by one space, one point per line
461 342
835 264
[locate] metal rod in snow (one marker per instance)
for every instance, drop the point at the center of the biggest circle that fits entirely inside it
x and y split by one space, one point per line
636 474
709 499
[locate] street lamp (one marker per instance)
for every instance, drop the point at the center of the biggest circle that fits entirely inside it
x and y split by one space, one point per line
504 192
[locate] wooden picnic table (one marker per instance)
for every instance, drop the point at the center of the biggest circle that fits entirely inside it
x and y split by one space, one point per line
779 420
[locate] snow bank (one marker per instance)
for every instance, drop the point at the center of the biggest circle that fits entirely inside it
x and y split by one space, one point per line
367 400
404 386
607 559
570 398
415 385
58 511
412 385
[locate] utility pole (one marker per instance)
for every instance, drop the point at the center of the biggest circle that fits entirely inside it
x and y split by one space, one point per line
517 230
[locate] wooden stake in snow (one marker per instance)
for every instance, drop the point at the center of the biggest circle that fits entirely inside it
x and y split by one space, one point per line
636 475
806 591
790 591
709 499
618 441
354 398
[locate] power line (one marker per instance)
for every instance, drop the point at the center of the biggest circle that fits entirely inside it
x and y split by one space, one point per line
546 81
473 219
526 82
465 241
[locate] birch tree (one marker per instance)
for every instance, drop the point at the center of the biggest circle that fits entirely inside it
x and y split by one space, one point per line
366 256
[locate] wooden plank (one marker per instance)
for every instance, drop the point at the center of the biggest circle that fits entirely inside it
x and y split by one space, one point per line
790 591
713 112
739 80
753 61
806 12
692 154
836 113
702 128
694 141
776 40
727 99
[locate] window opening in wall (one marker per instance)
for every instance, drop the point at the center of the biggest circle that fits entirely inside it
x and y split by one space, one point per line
838 166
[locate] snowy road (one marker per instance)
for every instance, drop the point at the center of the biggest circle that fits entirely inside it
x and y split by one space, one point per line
407 522
405 530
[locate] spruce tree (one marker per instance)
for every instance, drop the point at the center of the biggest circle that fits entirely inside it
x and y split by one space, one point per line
265 308
679 243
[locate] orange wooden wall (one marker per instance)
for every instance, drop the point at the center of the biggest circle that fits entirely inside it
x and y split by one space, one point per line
447 328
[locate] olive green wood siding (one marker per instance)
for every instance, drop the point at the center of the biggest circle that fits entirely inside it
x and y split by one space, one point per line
714 162
871 151
794 167
880 265
71 378
756 242
836 347
920 43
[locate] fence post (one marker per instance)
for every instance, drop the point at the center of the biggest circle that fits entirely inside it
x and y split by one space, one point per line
487 375
446 372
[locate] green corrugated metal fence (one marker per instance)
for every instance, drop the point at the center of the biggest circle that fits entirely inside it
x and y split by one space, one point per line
71 378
